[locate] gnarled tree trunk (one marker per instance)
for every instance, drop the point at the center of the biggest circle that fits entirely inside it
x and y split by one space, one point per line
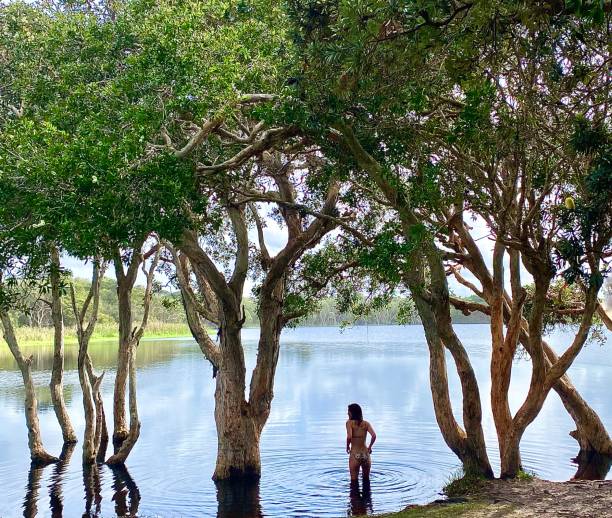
57 373
38 454
134 431
590 432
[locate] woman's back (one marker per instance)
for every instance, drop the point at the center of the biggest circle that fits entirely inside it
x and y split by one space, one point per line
360 431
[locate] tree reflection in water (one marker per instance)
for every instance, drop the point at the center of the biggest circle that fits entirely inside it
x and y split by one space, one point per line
127 494
238 499
592 466
92 482
360 499
30 507
56 501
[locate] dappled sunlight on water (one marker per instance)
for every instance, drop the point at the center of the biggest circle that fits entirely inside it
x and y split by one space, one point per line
305 472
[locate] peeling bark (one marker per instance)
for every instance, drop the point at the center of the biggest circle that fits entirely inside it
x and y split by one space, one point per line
57 373
90 384
38 454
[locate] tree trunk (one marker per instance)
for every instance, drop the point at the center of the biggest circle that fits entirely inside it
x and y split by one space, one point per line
38 453
271 324
510 454
57 373
120 430
89 436
134 432
470 450
477 459
237 431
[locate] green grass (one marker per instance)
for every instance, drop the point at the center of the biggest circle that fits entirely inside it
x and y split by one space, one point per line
106 331
460 484
526 475
440 510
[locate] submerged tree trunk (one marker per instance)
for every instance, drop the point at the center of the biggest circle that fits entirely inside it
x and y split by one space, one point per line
57 373
120 430
134 431
124 440
38 454
89 436
90 384
237 432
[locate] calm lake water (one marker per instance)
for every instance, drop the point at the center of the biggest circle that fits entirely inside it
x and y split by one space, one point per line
305 473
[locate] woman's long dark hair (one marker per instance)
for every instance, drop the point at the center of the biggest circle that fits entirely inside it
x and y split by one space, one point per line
355 412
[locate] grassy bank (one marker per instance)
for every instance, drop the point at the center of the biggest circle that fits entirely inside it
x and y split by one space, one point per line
449 510
106 331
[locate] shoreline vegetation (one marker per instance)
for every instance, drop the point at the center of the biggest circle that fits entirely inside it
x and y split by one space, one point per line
29 336
167 317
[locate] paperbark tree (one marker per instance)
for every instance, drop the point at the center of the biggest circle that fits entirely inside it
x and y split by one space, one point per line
56 384
126 279
432 303
38 454
128 353
96 433
240 421
590 432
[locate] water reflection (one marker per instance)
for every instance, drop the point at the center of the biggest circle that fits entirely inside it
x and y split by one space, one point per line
56 501
360 499
92 482
592 466
103 355
126 493
30 502
238 499
314 380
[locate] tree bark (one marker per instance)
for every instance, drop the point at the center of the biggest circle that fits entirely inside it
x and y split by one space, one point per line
38 454
90 384
124 294
89 436
237 430
57 373
123 449
475 458
134 431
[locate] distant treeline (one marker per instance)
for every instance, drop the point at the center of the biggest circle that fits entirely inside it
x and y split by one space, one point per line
166 308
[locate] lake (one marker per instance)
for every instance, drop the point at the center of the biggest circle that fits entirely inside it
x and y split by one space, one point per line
320 371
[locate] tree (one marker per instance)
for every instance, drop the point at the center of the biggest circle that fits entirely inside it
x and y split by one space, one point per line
401 88
95 436
274 179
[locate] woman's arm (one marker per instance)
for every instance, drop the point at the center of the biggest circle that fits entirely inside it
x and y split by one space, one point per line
349 436
372 437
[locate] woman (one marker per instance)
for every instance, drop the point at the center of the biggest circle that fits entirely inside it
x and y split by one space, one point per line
356 432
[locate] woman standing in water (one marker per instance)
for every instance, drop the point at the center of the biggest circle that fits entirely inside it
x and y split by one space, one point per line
356 433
